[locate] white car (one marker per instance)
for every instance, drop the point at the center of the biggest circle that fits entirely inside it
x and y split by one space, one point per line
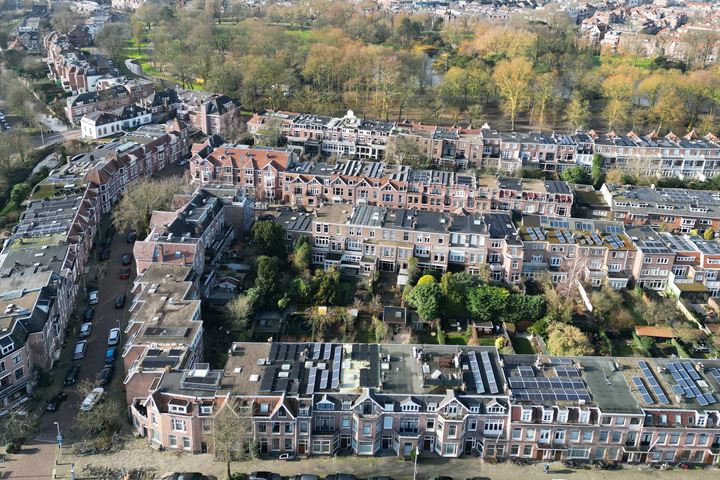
92 399
94 297
114 337
85 329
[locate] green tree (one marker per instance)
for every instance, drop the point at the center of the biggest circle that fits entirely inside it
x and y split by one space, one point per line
575 174
269 237
596 173
268 275
327 286
524 307
19 193
301 256
565 339
487 302
426 299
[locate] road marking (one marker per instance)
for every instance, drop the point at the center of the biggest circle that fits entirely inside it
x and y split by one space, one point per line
47 437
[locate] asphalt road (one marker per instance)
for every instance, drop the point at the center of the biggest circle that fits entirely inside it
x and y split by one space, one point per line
106 318
53 138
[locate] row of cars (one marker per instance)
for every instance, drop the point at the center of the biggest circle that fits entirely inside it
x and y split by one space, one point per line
334 476
4 124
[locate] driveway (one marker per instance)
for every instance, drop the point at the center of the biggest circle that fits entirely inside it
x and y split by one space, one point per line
106 318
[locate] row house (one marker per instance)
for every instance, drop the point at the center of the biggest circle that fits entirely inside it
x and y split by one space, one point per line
676 210
689 156
348 136
193 234
110 94
695 274
275 174
367 400
165 330
322 399
144 152
255 170
100 124
31 330
366 238
76 71
654 260
593 251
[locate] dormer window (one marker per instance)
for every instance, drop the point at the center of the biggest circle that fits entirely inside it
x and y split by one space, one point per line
475 409
282 413
325 405
346 405
547 416
526 415
176 408
451 409
584 416
264 407
432 407
5 349
562 416
206 409
409 407
305 411
389 407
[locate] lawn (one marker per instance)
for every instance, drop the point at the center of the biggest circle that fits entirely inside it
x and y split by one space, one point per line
522 345
455 338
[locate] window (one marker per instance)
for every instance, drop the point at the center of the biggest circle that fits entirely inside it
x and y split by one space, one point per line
574 435
547 416
175 408
562 416
19 374
346 422
430 425
366 428
517 433
16 359
616 437
588 436
674 439
172 439
530 434
452 431
303 426
450 449
620 421
177 424
690 439
604 436
186 443
584 416
206 409
526 415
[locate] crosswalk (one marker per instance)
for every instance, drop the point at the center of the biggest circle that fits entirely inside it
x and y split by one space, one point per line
46 437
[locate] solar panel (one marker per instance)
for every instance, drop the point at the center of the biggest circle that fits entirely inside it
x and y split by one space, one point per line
327 352
315 351
490 375
310 388
526 371
540 234
532 234
475 370
324 379
643 391
337 362
686 376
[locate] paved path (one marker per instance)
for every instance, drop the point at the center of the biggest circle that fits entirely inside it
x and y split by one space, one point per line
36 461
137 454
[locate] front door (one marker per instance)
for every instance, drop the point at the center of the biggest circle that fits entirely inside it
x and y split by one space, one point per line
429 443
203 447
301 447
469 445
386 442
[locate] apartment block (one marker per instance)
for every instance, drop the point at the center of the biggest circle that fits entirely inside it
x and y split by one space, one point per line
110 94
363 239
678 210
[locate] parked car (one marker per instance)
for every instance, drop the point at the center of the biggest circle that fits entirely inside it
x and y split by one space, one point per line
92 399
113 337
380 478
80 350
89 314
55 402
106 374
131 236
104 254
127 259
72 374
85 330
305 476
187 476
124 273
94 297
286 456
442 478
264 476
120 301
110 355
341 476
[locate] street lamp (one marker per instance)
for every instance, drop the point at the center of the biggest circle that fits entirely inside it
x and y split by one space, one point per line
59 436
57 424
417 454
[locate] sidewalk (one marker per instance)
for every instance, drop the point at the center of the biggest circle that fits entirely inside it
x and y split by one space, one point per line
137 454
35 461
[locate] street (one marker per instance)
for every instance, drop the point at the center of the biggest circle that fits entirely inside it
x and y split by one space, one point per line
53 138
106 318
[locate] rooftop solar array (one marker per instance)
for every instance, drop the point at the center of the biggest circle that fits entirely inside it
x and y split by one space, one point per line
687 377
652 381
715 372
534 385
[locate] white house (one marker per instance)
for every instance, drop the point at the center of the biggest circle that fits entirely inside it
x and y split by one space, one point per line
100 124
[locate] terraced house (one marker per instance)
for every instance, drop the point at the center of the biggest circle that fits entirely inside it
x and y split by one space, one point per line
322 399
689 156
277 175
364 239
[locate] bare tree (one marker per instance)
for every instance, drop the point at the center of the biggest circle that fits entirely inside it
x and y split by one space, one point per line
63 19
233 432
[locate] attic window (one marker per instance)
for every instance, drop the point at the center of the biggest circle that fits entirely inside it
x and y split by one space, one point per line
409 407
206 409
264 407
177 408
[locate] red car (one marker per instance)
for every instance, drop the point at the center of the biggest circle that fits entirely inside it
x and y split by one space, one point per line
124 273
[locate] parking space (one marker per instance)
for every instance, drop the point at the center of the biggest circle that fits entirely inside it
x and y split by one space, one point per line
102 276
